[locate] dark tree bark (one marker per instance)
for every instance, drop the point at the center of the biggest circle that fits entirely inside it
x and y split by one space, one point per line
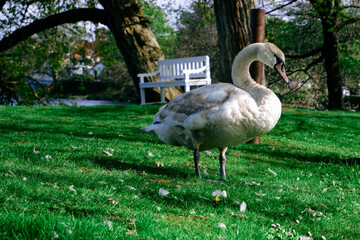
329 13
334 78
136 42
71 16
234 32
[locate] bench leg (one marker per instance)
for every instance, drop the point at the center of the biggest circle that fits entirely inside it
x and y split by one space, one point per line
162 94
187 88
142 95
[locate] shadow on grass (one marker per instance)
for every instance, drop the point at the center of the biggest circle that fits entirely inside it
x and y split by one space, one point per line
140 167
299 155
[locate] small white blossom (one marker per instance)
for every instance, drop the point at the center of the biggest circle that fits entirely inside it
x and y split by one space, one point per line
163 192
221 225
48 157
243 207
109 224
55 234
305 238
218 193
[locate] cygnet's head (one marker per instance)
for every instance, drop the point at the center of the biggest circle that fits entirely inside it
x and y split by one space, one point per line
272 56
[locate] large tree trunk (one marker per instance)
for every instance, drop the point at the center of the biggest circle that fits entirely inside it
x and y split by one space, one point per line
234 31
136 42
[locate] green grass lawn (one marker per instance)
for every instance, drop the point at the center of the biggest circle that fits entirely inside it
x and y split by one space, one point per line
90 173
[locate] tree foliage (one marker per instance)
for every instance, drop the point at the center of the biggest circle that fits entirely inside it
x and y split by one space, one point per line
319 33
197 34
126 21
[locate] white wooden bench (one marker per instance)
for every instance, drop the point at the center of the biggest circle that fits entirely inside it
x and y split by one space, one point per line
186 72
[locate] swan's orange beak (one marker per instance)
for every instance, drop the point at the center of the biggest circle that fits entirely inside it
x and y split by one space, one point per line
280 68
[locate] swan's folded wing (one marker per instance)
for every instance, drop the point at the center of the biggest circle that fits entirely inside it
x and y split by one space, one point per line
205 99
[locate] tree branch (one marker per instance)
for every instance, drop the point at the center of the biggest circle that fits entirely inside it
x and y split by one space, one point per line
347 22
71 16
313 63
282 6
2 3
305 70
305 55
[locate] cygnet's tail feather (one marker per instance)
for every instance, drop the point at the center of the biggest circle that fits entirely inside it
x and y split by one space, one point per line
148 128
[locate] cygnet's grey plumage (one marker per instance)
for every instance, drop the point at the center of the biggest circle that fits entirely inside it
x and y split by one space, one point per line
222 115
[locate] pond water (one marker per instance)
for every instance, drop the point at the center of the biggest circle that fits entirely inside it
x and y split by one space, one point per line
85 102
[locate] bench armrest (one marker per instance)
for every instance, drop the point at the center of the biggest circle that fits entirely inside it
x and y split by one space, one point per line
149 74
143 75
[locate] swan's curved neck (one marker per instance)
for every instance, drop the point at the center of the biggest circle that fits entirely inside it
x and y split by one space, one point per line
240 68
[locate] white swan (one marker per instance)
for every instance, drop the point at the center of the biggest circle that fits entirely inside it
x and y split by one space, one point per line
222 115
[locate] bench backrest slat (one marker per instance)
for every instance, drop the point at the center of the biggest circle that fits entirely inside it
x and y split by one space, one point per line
172 68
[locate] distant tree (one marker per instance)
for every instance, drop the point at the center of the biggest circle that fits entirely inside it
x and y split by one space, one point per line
331 13
327 21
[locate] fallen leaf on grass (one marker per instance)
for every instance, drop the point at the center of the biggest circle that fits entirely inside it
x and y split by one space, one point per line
240 216
131 232
113 216
72 189
159 164
36 152
113 201
107 153
252 183
271 171
130 187
130 224
81 170
161 180
194 216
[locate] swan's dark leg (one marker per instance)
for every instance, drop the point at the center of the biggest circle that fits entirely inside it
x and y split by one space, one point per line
196 161
222 160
